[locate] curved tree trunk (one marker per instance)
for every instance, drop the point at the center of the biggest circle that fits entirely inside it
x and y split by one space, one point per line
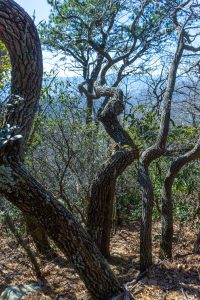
19 33
167 202
23 44
101 198
20 188
151 154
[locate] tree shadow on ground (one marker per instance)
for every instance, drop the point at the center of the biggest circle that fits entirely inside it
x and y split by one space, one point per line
58 260
125 267
173 279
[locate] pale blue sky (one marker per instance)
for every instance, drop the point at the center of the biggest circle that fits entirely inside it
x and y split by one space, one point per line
42 10
41 7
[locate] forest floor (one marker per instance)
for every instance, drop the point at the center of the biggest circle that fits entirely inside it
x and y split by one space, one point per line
175 280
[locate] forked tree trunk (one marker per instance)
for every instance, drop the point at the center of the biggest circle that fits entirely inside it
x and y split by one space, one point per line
167 201
151 154
101 198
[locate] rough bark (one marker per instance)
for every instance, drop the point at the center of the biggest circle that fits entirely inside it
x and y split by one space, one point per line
29 196
167 201
22 42
89 111
100 208
19 33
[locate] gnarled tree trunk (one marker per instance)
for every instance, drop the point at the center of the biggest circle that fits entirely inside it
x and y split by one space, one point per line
100 208
18 32
23 45
20 188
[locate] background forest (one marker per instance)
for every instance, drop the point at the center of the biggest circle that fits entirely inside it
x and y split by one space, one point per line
116 146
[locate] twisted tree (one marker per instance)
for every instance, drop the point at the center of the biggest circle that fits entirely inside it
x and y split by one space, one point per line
102 189
100 208
182 16
20 36
26 59
167 201
96 39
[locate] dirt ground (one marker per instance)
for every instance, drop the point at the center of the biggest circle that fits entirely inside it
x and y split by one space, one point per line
175 280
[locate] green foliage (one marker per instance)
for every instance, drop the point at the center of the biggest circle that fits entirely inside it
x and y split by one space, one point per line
185 133
64 152
130 208
186 181
5 65
142 125
128 197
7 208
90 30
183 211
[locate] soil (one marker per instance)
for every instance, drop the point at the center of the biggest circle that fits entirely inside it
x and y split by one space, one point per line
178 279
